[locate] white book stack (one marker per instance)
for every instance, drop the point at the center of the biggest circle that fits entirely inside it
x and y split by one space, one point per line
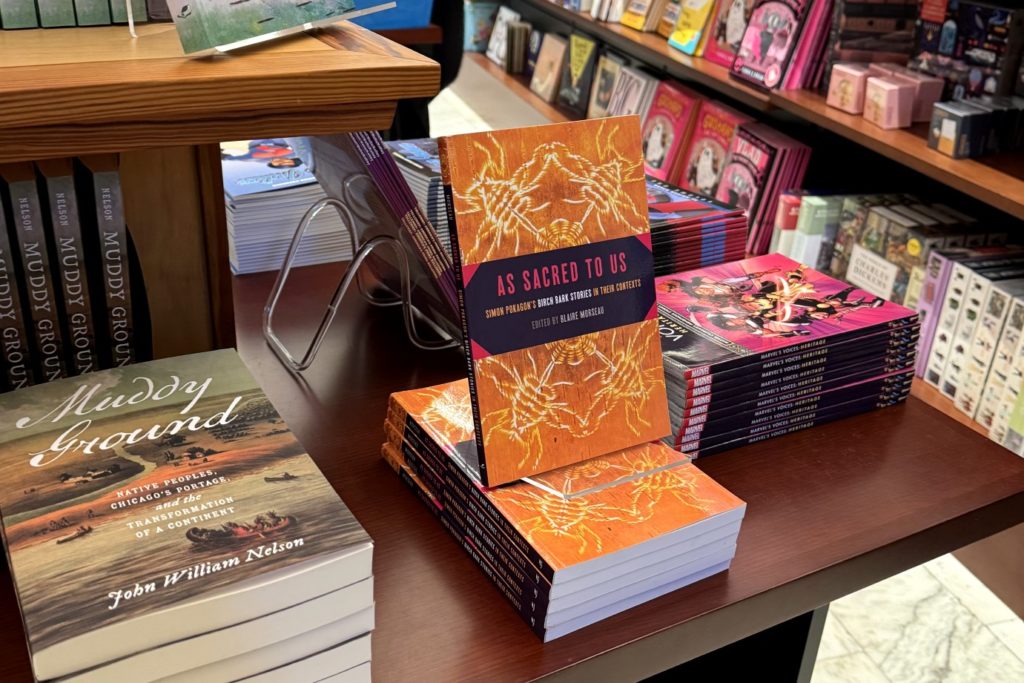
268 187
196 540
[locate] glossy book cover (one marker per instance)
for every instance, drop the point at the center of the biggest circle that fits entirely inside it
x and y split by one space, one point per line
712 136
769 40
746 170
613 502
768 302
555 270
727 26
133 496
667 128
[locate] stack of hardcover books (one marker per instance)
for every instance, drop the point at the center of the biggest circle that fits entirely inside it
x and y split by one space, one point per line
161 522
766 346
268 186
574 545
555 274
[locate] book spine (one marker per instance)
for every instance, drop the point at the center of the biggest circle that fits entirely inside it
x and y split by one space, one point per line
515 595
976 295
952 307
38 280
69 253
410 428
799 425
1002 362
460 291
933 292
897 391
835 354
14 345
113 241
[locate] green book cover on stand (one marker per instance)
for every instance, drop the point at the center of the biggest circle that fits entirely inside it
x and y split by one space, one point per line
92 12
54 13
18 14
119 11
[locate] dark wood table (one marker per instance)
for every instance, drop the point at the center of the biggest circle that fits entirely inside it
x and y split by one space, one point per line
830 510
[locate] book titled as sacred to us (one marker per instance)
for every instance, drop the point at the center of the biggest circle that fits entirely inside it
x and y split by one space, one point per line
553 260
149 503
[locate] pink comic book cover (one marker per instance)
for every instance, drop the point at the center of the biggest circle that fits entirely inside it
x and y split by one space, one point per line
667 128
746 169
770 302
709 145
769 40
727 27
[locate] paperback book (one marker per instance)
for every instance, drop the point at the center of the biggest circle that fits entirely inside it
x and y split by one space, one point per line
554 270
578 73
667 128
727 25
690 34
548 73
769 40
608 67
182 501
713 131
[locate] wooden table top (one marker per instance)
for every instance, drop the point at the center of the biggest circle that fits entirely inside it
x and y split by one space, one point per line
70 91
830 510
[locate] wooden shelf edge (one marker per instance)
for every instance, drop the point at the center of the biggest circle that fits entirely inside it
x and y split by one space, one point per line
934 398
519 86
424 35
982 181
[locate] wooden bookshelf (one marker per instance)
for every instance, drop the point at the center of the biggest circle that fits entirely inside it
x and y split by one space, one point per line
996 180
72 92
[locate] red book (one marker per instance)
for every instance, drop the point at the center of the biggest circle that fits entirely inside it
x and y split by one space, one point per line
667 128
704 160
728 24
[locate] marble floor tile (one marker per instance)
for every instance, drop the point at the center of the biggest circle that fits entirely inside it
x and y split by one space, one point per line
850 668
1012 634
917 631
836 640
974 595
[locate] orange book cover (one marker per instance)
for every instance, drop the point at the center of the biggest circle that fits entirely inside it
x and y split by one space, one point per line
585 510
555 279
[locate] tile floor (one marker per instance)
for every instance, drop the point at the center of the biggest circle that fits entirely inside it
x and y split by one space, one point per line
931 623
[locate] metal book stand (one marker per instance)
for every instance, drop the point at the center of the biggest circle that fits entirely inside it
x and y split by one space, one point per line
360 252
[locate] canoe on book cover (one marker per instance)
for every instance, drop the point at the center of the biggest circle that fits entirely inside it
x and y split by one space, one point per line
283 477
263 527
82 531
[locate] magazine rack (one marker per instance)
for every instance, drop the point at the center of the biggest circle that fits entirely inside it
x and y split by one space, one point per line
352 273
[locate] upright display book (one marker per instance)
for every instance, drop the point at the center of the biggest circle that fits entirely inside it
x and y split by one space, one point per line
769 40
555 271
497 46
608 68
549 67
578 73
704 159
726 26
151 503
208 26
689 34
667 128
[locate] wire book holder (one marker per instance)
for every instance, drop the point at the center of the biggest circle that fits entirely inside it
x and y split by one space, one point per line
360 252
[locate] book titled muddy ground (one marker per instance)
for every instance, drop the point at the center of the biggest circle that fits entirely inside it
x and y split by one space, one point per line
555 274
149 503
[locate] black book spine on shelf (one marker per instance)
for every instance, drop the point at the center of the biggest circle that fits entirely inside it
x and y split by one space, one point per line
15 356
520 600
722 434
829 356
65 236
99 180
809 377
408 427
781 431
37 278
735 418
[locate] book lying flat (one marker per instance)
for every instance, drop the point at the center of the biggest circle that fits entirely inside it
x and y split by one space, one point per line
555 282
180 498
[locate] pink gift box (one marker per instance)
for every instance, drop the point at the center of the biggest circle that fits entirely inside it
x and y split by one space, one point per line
888 103
927 91
846 87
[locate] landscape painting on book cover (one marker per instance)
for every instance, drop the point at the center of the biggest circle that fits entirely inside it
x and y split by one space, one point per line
107 530
553 247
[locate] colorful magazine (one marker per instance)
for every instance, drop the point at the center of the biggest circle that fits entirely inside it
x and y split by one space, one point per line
769 41
710 142
553 259
727 26
667 128
252 166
